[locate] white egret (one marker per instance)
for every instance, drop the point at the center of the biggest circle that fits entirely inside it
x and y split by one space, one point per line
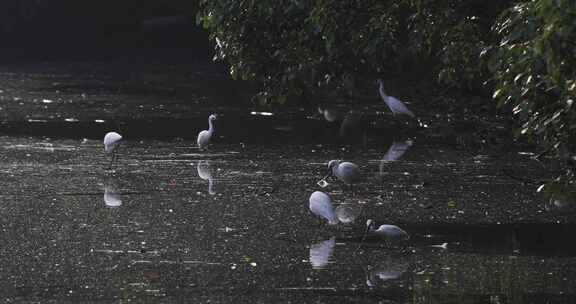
321 205
205 172
395 105
111 142
320 253
346 172
112 197
205 135
391 233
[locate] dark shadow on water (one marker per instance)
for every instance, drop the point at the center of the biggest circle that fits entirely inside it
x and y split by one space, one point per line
546 240
233 127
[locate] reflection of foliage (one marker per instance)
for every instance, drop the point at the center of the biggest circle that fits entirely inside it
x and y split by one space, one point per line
295 47
561 194
535 70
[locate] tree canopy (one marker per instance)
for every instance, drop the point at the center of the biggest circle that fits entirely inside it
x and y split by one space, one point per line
522 51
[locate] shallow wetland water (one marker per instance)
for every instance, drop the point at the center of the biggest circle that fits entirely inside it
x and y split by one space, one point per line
171 223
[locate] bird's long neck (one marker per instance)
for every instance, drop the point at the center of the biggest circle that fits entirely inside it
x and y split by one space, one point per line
381 90
371 227
211 126
335 169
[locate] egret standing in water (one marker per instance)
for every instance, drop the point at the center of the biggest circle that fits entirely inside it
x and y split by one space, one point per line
395 105
321 205
347 172
111 142
391 233
205 135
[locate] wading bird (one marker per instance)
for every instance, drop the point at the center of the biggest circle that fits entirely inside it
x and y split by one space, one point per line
391 233
321 205
205 135
396 150
346 172
395 105
111 142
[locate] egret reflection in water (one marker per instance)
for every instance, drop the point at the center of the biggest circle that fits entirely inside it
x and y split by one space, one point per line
388 269
112 196
395 152
331 114
321 253
397 149
206 172
347 213
561 203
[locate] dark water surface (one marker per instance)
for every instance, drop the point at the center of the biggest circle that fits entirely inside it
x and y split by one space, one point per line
231 225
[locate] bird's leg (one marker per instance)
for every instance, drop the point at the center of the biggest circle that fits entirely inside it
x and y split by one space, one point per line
112 159
111 162
361 241
116 156
387 243
405 246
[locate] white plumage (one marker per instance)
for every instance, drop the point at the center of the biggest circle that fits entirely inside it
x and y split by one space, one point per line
346 172
395 105
389 232
111 141
205 135
321 205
